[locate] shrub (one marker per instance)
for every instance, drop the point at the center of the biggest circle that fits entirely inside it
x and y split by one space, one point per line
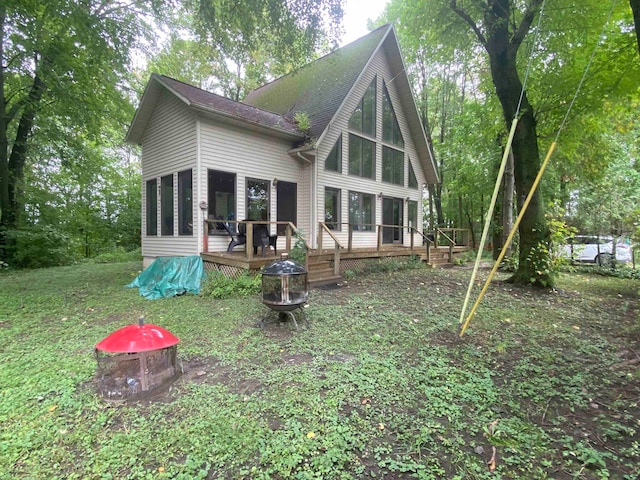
218 285
39 246
118 255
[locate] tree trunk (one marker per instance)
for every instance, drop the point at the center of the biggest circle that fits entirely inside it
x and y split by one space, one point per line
635 6
502 46
4 146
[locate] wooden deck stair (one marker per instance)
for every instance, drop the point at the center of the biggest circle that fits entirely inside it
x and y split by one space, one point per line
320 270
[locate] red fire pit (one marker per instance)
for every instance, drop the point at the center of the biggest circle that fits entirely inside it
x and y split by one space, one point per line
135 359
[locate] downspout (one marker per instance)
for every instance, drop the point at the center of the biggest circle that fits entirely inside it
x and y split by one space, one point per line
314 200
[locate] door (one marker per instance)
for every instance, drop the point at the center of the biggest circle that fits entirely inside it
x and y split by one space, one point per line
392 215
287 204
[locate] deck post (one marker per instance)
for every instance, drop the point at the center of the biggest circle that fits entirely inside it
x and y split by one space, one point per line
288 240
205 237
320 235
350 243
336 261
428 244
249 244
379 227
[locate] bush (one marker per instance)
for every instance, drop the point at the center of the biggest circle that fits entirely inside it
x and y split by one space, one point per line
217 285
39 247
119 255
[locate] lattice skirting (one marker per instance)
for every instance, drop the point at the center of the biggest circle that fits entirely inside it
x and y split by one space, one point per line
228 270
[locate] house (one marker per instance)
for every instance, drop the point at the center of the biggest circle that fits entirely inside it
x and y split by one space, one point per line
336 148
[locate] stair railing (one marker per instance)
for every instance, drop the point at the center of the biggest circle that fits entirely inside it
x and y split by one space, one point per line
336 249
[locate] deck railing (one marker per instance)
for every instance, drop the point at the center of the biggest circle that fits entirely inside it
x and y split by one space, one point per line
336 246
290 231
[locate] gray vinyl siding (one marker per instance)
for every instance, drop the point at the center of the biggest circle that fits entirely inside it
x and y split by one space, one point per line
169 146
253 155
379 67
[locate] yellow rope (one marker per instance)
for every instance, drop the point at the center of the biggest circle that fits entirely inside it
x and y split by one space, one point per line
510 237
487 221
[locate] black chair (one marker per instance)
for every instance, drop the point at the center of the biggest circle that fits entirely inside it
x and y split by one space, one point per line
237 238
262 238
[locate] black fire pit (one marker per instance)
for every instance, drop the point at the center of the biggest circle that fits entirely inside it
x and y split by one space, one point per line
284 288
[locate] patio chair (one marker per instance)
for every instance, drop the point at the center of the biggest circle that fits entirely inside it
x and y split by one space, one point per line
237 238
262 238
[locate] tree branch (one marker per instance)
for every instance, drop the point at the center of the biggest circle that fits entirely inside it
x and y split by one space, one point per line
465 16
525 24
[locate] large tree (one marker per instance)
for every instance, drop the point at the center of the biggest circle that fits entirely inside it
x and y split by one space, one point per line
66 63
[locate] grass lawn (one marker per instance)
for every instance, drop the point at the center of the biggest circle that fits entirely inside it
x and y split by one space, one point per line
542 385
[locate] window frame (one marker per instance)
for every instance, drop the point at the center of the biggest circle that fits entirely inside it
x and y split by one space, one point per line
151 208
357 162
393 164
336 195
391 132
185 202
359 198
167 222
362 120
267 197
217 209
335 153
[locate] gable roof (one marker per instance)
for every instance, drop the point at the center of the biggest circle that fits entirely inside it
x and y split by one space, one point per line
207 103
320 88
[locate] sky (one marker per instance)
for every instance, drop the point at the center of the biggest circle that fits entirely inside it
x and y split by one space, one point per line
357 12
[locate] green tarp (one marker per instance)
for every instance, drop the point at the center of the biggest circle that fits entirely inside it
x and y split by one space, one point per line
170 276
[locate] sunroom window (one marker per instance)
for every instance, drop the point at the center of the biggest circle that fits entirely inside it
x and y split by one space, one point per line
334 159
392 166
361 211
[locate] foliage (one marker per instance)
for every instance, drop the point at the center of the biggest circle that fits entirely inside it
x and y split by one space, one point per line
298 252
40 246
218 285
542 377
303 121
119 255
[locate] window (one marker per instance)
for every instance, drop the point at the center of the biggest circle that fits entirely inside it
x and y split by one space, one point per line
185 203
257 199
334 159
332 208
166 205
362 157
413 181
152 207
363 118
390 128
361 211
412 214
392 166
221 197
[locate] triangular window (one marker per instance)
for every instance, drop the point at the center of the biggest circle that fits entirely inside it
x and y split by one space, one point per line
334 159
390 128
363 118
413 181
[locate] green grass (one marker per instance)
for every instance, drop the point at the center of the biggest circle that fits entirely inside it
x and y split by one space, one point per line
379 385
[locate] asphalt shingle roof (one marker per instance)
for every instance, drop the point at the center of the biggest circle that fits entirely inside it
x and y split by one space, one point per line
319 87
210 101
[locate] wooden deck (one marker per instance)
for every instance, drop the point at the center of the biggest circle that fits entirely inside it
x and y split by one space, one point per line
322 265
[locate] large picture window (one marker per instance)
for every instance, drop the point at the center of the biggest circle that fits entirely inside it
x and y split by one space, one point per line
413 181
363 118
361 211
185 203
332 208
390 128
257 199
152 207
334 159
166 205
392 166
362 157
221 198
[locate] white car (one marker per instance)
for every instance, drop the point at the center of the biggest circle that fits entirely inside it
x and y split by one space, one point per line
595 249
